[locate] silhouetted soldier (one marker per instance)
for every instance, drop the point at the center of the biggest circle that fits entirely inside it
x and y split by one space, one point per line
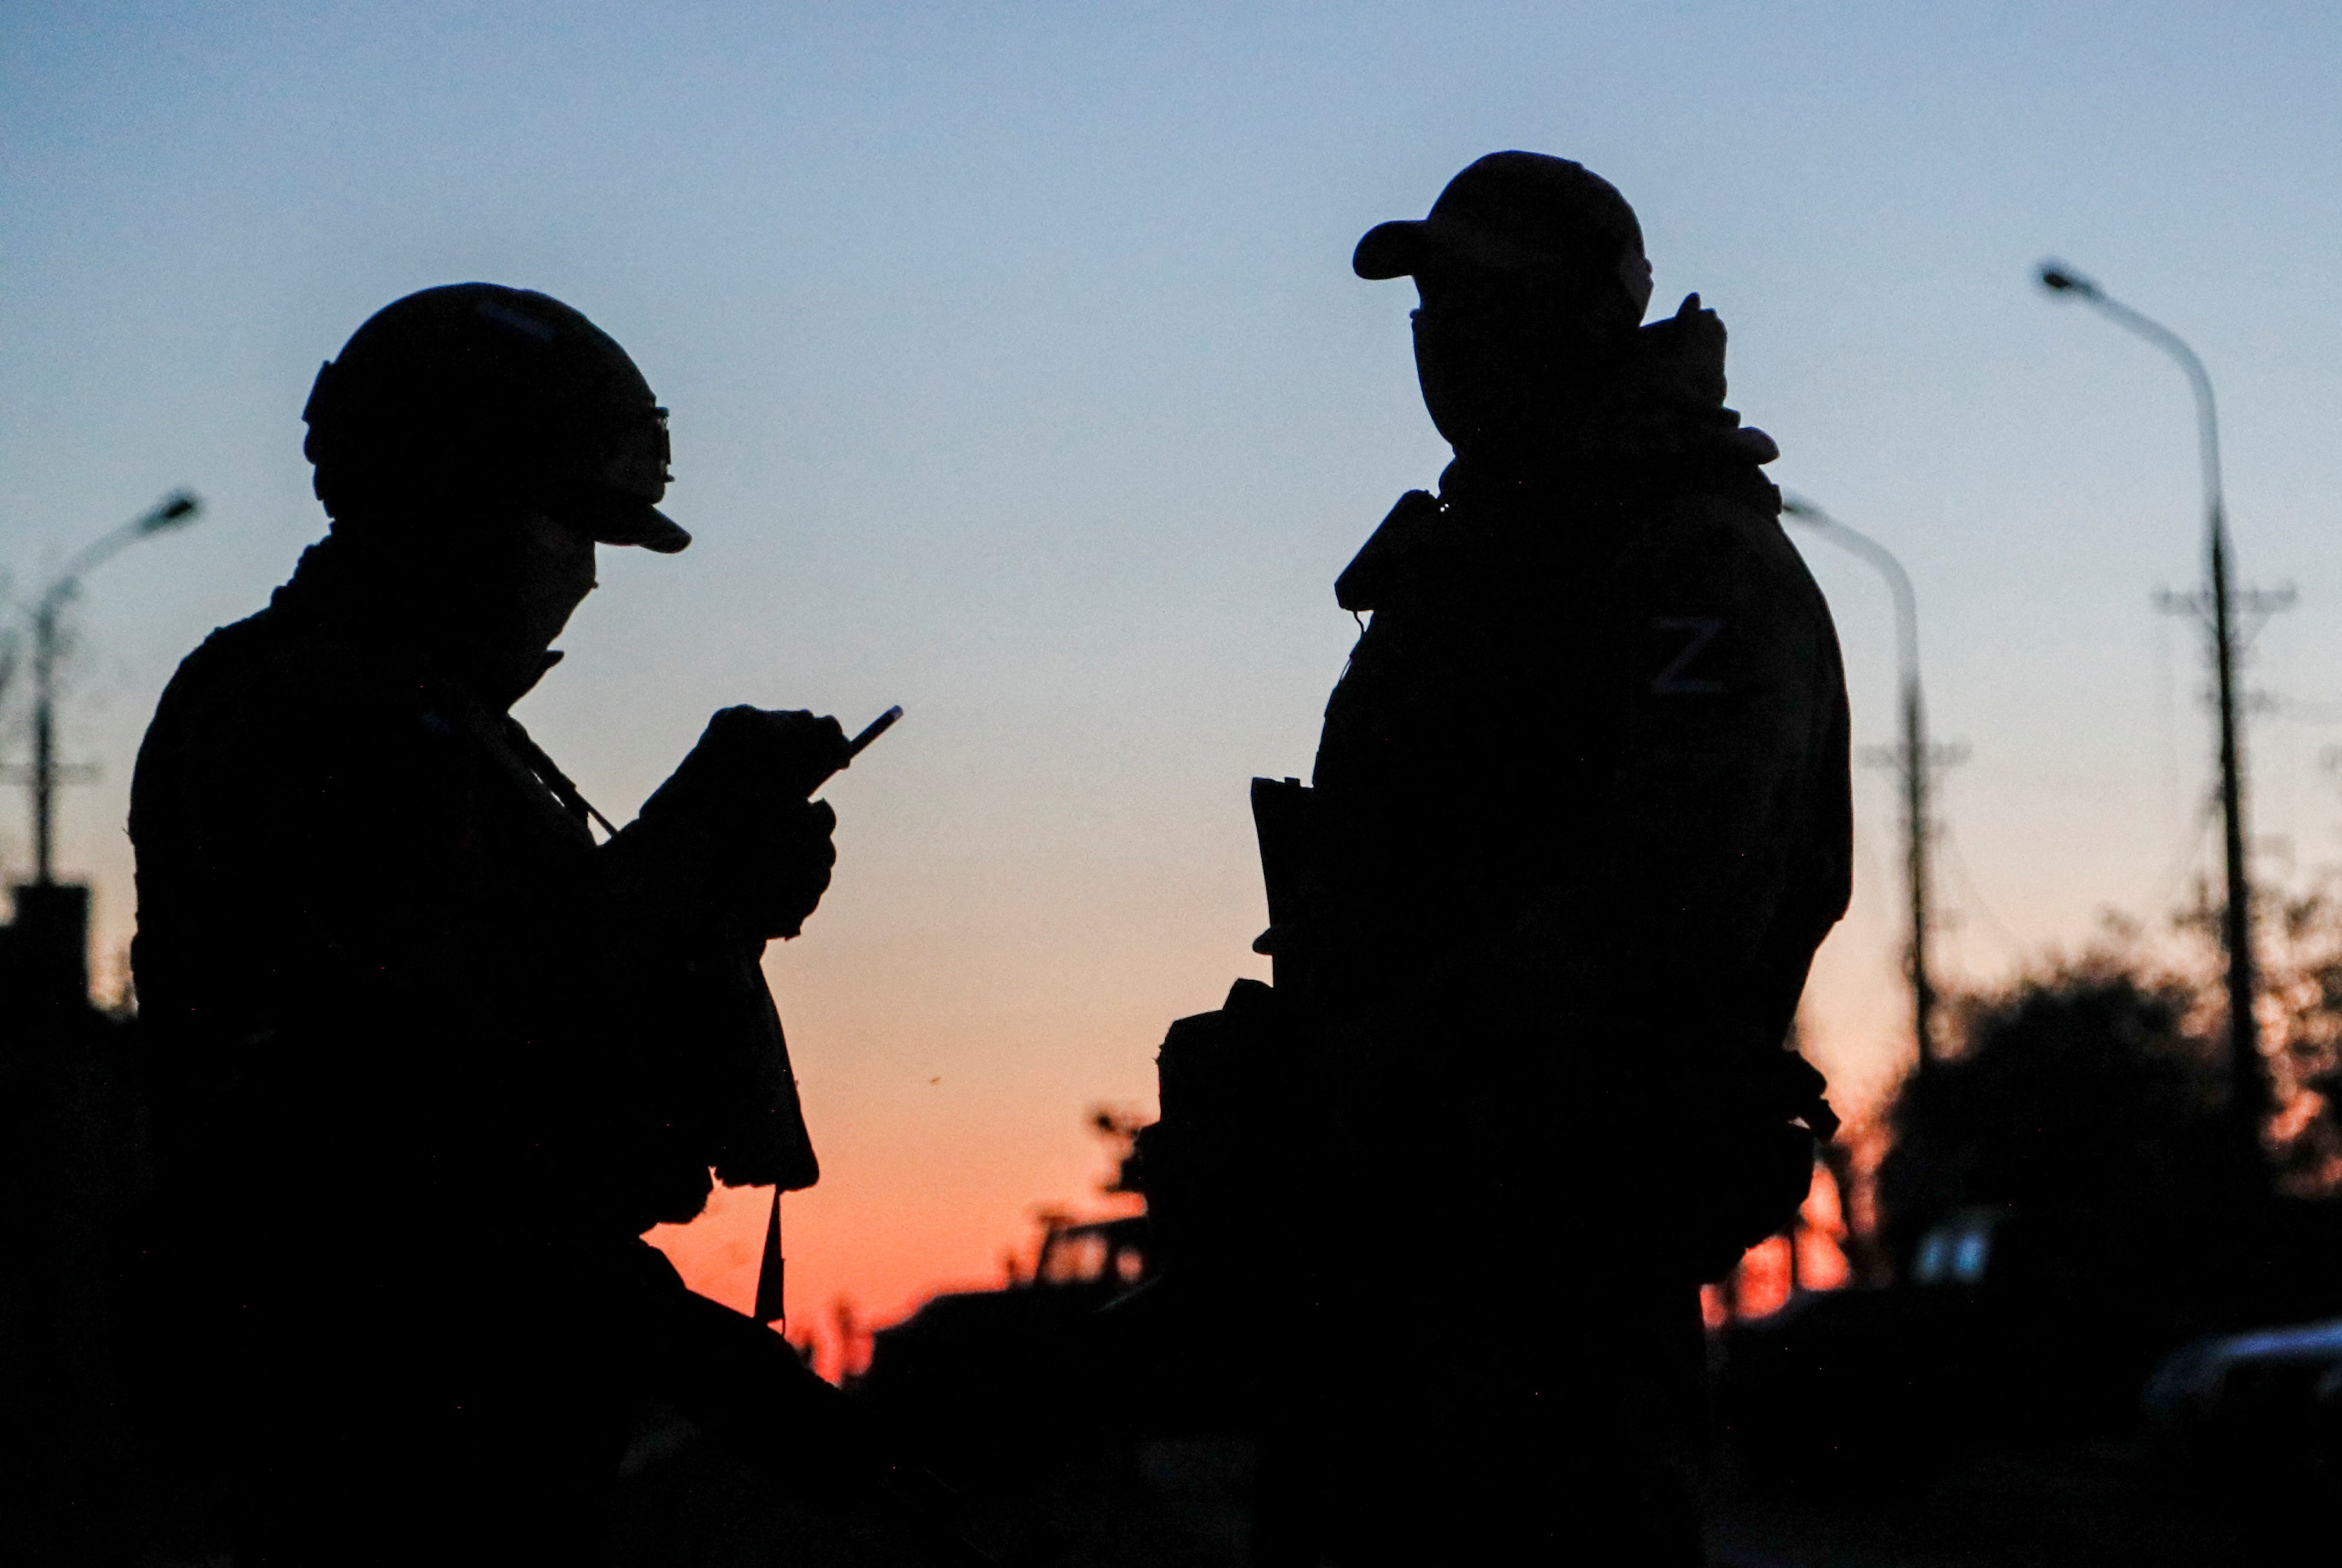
430 1059
1580 819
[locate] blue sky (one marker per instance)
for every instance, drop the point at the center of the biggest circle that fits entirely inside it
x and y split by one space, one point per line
1019 377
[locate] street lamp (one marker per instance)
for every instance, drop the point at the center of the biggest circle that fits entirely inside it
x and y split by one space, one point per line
180 506
2247 1083
1914 756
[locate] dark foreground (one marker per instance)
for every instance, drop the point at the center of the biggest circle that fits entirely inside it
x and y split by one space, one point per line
2076 1505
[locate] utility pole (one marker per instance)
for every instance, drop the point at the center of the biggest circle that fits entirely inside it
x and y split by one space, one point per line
2249 1086
1917 829
1914 758
180 506
45 737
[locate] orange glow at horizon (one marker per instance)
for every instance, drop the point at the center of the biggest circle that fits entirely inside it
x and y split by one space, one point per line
942 1137
866 1249
953 1022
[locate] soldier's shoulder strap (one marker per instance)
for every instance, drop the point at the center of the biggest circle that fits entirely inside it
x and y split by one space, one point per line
1406 530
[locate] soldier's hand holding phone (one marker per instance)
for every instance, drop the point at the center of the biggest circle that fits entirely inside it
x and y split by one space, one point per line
742 793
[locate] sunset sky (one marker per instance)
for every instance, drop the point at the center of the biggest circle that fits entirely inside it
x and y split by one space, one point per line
1019 377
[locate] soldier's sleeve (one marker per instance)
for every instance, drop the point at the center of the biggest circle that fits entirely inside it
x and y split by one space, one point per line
1713 829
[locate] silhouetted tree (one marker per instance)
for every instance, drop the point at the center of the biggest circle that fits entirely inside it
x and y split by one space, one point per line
2081 1088
2086 1108
1120 1127
2092 1080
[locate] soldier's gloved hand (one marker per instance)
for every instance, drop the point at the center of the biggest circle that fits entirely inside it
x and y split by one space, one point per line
747 761
741 793
775 870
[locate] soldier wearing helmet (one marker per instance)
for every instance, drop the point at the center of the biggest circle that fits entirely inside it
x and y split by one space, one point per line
428 1058
1578 821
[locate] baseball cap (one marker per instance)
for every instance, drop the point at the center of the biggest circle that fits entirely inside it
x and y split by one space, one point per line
1509 211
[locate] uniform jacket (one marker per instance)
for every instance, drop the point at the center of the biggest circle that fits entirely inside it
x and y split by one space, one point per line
1585 780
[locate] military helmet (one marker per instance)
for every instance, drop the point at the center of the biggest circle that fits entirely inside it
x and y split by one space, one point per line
476 386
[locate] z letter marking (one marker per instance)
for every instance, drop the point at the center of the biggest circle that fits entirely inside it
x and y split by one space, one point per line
1670 682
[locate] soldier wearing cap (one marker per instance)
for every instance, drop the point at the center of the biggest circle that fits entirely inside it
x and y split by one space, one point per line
428 1060
1580 818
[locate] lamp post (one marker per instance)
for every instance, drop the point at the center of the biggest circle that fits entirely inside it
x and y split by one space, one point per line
179 507
2248 1083
1915 760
